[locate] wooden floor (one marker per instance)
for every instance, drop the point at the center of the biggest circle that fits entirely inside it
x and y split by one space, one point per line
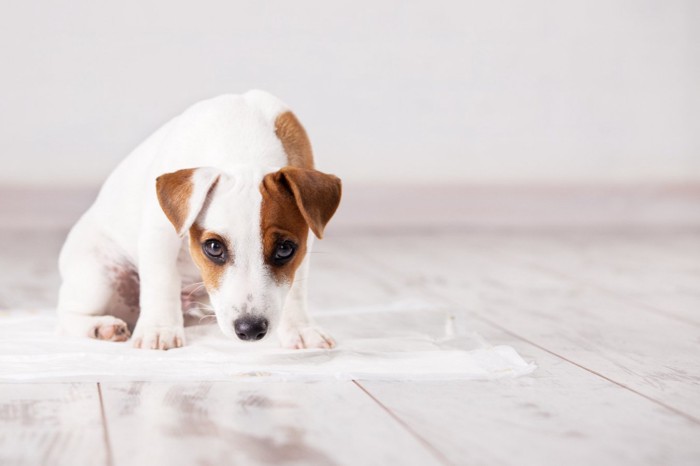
612 320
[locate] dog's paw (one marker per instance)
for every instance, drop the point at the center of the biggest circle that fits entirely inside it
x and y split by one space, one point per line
159 337
110 328
305 337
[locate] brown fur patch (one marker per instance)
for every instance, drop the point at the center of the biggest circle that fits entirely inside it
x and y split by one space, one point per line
281 220
211 272
294 140
174 191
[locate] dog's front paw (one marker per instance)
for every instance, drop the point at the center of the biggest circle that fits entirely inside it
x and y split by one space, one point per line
159 337
305 337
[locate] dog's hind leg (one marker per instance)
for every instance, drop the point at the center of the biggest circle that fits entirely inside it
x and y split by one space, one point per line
86 290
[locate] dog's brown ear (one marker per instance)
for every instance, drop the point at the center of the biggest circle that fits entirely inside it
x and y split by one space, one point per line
316 194
182 194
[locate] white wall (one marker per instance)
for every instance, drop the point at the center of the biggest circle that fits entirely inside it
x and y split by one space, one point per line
393 92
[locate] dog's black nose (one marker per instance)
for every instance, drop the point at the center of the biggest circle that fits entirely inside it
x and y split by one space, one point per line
250 327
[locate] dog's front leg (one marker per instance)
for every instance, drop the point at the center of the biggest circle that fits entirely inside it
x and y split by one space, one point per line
297 330
160 324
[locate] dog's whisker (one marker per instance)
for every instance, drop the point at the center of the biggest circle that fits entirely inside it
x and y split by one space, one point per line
205 307
208 310
189 295
202 303
195 284
198 287
211 316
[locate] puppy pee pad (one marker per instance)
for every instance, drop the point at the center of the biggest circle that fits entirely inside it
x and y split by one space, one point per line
384 343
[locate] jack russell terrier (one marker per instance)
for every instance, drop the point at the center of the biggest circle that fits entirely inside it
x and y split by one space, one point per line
232 179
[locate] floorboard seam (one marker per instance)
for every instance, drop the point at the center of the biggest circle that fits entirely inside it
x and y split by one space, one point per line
105 429
437 453
687 416
438 296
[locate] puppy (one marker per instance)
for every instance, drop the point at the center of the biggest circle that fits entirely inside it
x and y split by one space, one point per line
225 198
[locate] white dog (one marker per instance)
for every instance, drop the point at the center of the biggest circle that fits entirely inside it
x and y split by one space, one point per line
235 176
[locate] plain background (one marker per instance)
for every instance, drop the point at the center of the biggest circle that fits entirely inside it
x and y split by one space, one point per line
427 92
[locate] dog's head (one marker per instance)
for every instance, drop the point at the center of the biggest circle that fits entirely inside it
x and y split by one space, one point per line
248 235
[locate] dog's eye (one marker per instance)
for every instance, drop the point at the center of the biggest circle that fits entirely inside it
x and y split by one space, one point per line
284 252
215 250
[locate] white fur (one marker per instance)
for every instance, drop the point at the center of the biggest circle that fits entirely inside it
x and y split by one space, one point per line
232 135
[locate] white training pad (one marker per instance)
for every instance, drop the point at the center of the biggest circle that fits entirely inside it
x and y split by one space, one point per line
373 344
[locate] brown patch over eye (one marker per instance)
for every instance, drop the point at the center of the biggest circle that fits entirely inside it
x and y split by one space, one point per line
211 254
284 230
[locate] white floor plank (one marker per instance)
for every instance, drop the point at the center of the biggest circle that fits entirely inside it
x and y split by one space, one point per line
562 414
51 424
651 353
559 415
255 423
658 272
